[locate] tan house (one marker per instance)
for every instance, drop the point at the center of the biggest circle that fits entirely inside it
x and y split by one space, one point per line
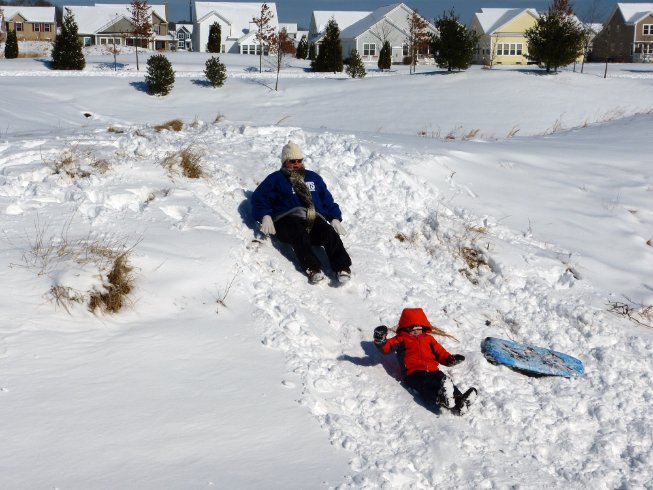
501 35
109 24
627 36
30 23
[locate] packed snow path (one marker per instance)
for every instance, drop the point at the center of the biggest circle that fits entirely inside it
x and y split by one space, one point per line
406 240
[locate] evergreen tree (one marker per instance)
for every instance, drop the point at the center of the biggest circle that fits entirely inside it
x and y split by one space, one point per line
356 67
11 45
215 71
556 39
385 56
302 48
67 53
215 38
311 52
160 76
329 57
454 47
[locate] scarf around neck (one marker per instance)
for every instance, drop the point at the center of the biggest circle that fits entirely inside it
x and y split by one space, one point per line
297 180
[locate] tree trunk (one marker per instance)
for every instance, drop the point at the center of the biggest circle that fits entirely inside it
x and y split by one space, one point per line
136 44
605 73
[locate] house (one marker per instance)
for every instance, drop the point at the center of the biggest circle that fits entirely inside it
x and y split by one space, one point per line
238 31
109 24
501 35
627 36
30 23
320 19
183 35
389 23
367 31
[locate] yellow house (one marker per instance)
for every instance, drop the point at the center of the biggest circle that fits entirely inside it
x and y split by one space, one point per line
501 35
30 23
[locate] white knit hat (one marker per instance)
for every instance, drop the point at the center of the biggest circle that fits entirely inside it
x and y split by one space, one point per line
291 152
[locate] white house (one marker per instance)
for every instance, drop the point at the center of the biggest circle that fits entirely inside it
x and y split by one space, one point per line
238 30
320 19
367 31
389 23
106 24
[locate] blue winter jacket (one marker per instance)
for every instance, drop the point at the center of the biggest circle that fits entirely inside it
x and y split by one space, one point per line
276 197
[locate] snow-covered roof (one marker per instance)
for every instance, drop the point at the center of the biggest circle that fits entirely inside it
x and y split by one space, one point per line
93 18
634 12
238 15
367 22
30 14
291 27
343 18
492 19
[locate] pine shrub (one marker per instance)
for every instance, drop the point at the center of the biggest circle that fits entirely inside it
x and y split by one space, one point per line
215 72
329 57
356 67
302 49
160 76
215 38
385 56
11 46
67 52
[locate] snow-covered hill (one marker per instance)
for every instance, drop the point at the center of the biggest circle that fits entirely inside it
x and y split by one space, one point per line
227 369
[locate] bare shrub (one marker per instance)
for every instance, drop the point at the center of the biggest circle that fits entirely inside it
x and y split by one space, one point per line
118 285
513 132
218 118
172 125
64 295
471 134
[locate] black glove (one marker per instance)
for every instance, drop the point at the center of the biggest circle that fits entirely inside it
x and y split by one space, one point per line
457 359
380 333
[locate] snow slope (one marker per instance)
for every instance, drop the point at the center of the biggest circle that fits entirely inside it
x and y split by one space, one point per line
229 370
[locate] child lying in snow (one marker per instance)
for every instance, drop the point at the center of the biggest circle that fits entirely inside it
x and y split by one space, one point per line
419 355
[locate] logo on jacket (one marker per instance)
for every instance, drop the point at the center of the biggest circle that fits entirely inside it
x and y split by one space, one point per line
311 186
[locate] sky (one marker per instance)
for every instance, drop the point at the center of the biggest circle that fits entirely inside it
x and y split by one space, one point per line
226 369
300 11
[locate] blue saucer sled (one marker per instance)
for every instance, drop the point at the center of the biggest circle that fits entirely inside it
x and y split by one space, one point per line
531 359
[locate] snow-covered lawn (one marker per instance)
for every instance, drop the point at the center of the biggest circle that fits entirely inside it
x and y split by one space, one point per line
228 370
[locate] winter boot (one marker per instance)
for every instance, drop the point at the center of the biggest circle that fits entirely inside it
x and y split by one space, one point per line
446 396
464 401
314 275
344 276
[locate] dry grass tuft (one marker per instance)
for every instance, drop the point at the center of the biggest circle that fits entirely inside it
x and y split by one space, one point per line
113 129
403 238
64 295
649 242
472 257
513 132
187 161
637 313
172 125
472 134
218 118
119 284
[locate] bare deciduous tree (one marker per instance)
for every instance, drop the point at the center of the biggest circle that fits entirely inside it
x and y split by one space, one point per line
140 19
281 45
265 32
418 37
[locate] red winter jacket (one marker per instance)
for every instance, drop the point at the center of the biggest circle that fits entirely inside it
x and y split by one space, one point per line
416 352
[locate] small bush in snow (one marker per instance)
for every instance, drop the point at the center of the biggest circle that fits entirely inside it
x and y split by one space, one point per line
356 67
11 46
215 71
160 76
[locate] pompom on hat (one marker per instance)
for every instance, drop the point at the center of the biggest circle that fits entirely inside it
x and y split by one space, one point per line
413 317
291 151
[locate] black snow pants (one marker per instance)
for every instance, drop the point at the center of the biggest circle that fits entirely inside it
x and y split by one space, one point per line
292 230
428 384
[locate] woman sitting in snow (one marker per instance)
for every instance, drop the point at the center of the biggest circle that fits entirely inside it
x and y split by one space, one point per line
295 205
419 355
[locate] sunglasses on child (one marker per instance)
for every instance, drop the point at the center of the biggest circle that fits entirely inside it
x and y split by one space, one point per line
300 160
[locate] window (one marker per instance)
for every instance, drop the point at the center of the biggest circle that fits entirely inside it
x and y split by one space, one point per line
37 27
47 27
87 41
156 28
509 49
181 35
405 50
19 26
647 29
369 49
180 44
